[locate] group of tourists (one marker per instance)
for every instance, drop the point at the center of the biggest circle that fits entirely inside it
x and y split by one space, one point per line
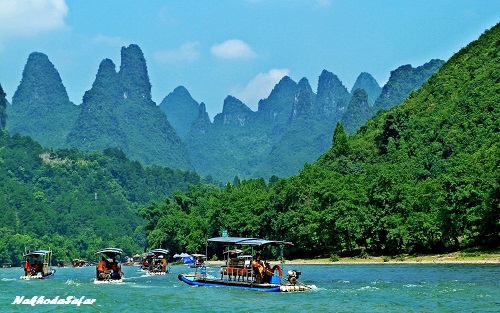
155 264
109 270
32 269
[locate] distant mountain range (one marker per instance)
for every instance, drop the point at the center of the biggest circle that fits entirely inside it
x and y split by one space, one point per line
292 126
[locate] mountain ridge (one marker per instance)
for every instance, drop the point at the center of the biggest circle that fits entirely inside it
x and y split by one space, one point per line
293 125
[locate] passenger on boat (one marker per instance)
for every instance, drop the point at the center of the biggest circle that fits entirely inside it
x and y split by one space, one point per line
27 268
116 273
164 264
259 269
35 268
199 262
101 269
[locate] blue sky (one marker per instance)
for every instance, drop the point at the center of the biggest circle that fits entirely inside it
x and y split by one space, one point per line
241 48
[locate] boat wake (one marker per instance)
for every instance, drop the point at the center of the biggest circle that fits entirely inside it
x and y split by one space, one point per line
8 279
72 282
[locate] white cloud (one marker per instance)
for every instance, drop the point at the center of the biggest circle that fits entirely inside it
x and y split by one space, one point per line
187 52
259 87
31 17
110 40
233 49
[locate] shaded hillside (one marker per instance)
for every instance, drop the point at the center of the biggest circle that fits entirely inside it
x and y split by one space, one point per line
366 82
40 106
422 177
357 112
230 146
294 125
97 126
75 203
3 108
118 112
402 82
181 110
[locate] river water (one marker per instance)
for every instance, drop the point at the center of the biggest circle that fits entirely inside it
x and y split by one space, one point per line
341 288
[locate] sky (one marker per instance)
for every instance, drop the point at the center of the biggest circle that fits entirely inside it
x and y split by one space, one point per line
240 48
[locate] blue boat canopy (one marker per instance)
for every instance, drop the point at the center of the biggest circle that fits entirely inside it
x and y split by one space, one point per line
110 252
248 241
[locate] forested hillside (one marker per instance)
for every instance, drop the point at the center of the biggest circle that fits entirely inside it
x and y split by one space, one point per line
75 203
421 177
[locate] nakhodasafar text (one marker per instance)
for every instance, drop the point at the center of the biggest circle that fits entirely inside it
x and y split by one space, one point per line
36 300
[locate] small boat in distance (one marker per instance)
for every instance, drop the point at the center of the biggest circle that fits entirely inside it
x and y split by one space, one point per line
37 265
157 262
193 260
241 272
108 269
80 263
199 260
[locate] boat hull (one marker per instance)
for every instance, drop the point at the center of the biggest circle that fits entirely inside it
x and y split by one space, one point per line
156 273
39 276
108 281
193 281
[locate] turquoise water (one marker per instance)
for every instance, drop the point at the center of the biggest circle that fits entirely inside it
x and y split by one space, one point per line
341 288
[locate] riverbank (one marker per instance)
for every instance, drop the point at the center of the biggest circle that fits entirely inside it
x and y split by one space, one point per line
452 258
448 258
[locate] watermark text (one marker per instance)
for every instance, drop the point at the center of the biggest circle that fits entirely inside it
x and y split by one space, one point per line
36 300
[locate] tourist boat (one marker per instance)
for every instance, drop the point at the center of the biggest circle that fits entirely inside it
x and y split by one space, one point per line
157 262
80 263
241 272
193 260
199 260
108 269
37 265
136 260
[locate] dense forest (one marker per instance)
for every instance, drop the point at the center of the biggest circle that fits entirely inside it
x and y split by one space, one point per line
421 177
75 203
418 178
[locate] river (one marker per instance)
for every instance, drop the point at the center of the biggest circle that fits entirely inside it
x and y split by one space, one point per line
340 288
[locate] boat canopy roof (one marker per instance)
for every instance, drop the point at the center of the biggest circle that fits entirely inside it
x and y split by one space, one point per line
110 252
35 254
248 241
159 252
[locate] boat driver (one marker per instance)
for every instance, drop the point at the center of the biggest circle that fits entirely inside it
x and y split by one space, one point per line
259 268
101 269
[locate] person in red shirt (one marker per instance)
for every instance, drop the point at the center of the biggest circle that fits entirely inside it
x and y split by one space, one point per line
27 268
101 269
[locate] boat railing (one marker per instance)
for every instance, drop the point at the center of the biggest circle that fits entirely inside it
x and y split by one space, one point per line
237 270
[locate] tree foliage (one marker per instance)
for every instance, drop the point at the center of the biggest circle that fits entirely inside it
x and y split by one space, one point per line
421 177
76 203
